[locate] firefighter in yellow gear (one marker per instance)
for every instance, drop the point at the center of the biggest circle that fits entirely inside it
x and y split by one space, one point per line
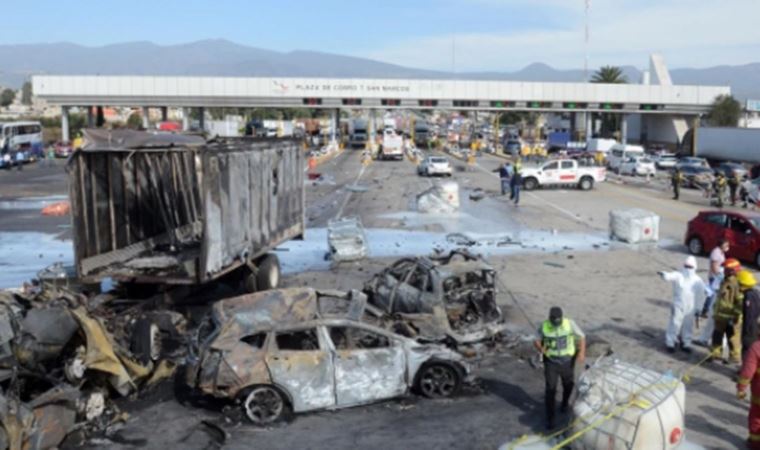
727 313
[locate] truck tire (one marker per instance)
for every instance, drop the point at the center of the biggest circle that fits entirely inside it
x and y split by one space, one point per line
268 276
586 183
530 184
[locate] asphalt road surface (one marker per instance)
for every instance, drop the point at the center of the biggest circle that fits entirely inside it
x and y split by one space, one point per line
563 258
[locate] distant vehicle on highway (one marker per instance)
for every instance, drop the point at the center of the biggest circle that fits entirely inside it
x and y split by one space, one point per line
622 152
665 160
732 168
564 172
642 165
392 146
62 149
692 161
25 137
741 229
434 165
697 176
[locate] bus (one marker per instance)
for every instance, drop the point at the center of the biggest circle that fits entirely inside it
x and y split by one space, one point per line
24 137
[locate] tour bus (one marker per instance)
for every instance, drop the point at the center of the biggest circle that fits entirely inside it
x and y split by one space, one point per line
23 137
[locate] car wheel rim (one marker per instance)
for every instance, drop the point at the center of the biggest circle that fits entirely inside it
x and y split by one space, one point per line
695 246
274 277
263 405
155 342
438 381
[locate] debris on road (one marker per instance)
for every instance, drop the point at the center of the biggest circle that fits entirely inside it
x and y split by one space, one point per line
442 198
477 194
57 209
346 240
634 225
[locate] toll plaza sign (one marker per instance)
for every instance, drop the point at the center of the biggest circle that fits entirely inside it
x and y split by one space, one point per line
352 88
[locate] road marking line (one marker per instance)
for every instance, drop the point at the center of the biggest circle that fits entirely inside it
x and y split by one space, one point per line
348 195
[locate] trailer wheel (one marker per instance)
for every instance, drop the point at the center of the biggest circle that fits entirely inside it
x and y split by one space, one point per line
268 276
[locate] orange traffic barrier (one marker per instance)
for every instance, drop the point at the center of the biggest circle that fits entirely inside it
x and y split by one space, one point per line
312 163
57 209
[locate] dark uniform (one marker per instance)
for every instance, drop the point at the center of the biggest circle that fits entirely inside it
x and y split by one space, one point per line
676 179
727 316
733 187
558 337
750 313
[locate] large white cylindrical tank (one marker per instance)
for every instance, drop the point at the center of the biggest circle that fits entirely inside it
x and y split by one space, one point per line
653 421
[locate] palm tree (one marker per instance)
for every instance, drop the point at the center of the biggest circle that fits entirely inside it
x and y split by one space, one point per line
609 75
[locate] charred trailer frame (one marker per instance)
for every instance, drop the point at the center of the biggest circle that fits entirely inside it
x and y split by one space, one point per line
183 214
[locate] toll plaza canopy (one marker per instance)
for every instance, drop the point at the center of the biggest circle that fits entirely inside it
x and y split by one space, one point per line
193 91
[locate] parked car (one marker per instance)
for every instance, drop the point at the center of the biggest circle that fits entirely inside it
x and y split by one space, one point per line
62 149
300 349
450 298
638 166
741 229
622 152
697 176
665 160
692 161
434 165
732 168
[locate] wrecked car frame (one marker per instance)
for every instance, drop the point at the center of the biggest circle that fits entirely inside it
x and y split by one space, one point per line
451 297
301 349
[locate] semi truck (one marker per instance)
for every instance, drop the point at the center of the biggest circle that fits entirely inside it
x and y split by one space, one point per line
177 210
421 133
723 144
358 133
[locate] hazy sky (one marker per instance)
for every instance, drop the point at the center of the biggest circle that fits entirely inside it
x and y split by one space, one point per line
471 35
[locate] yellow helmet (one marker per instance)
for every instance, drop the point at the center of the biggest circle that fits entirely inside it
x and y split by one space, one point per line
746 279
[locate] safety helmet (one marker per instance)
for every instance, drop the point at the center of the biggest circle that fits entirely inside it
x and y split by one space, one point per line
746 279
732 265
690 262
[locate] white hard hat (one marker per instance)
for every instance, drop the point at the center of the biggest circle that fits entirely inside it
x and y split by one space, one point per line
690 262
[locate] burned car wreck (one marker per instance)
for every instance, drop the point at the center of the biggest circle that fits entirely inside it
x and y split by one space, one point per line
448 298
301 349
63 356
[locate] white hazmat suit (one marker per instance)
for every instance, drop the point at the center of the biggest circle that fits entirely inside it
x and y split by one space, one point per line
689 293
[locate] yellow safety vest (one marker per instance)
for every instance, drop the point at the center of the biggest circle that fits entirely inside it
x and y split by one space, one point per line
558 341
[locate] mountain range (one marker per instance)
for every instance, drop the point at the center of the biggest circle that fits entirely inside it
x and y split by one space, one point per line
224 58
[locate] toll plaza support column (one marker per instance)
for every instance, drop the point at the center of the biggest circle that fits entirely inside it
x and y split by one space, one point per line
335 123
624 129
164 114
100 118
372 130
185 119
145 112
202 118
65 123
90 117
589 125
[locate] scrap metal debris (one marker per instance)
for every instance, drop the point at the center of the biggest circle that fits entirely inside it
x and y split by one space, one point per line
442 198
346 239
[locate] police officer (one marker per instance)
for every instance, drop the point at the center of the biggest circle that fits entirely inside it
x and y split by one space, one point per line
676 179
733 186
562 343
720 189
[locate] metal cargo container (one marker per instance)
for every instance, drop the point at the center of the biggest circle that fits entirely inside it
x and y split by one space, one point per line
177 210
724 144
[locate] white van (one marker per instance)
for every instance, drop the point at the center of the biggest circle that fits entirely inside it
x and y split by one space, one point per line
620 152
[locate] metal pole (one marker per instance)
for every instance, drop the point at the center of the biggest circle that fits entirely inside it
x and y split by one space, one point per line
145 122
695 126
65 123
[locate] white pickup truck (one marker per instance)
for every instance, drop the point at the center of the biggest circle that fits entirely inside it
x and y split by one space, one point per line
564 172
393 145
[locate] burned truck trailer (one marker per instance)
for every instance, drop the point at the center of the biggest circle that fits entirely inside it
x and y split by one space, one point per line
158 209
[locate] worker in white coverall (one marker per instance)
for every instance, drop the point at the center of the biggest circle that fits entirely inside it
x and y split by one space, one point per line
689 292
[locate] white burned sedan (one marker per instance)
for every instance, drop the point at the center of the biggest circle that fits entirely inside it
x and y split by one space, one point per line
296 350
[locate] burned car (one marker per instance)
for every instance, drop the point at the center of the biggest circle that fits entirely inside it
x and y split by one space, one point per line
301 349
447 298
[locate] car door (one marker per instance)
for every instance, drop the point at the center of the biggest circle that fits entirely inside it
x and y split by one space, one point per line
369 365
712 230
741 236
567 172
300 361
551 173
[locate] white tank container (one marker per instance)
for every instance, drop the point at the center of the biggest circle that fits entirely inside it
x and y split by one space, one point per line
654 422
634 225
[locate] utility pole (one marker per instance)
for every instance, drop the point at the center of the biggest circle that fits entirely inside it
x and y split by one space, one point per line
585 40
